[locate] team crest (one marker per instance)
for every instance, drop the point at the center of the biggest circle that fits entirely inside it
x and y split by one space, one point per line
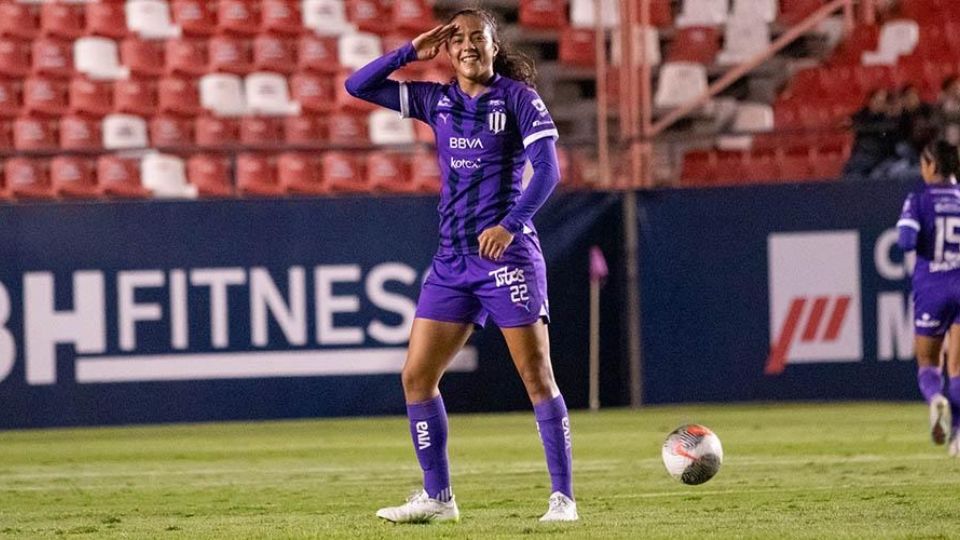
497 121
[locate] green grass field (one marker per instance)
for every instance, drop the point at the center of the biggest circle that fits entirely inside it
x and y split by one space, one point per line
790 471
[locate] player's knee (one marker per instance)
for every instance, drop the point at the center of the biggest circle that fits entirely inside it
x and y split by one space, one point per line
538 378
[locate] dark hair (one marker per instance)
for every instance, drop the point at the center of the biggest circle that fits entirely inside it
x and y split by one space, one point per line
944 156
508 62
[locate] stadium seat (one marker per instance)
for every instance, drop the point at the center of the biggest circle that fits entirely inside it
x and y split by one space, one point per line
210 174
794 11
699 168
582 14
315 93
576 47
759 167
98 58
299 172
28 178
387 128
178 96
124 131
695 44
744 38
368 15
72 177
171 132
230 54
52 57
143 58
897 38
280 17
14 58
652 45
150 19
222 94
413 16
61 20
6 135
850 50
389 172
765 10
213 132
326 17
106 19
730 167
9 99
795 163
271 53
702 13
80 133
31 133
256 175
261 131
358 49
195 17
237 17
267 94
165 176
753 118
186 57
318 54
19 20
425 171
345 102
343 172
543 14
135 96
680 83
304 130
828 164
423 133
120 177
44 96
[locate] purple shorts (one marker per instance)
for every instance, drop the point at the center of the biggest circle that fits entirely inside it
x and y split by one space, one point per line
936 306
468 288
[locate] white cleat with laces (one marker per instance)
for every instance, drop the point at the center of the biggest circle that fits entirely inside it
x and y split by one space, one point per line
562 508
420 508
939 419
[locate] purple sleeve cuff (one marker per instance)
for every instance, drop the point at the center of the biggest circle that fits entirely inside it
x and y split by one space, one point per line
546 175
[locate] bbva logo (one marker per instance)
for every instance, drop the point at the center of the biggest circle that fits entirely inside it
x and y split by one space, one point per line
815 313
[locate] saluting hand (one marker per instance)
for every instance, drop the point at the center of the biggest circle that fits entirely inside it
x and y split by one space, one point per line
428 43
494 241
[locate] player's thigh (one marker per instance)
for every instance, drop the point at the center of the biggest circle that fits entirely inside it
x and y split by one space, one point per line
433 344
932 313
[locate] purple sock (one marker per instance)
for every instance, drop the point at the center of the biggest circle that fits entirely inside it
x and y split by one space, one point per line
954 396
554 426
428 427
930 381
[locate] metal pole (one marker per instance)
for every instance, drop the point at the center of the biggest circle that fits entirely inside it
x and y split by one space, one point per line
631 229
603 137
594 344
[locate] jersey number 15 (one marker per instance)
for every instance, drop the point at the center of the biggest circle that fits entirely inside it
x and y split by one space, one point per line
947 232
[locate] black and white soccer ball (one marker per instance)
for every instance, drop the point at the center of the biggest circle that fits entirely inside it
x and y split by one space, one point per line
692 454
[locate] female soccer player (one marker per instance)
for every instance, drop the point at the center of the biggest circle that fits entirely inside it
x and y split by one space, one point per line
930 224
487 122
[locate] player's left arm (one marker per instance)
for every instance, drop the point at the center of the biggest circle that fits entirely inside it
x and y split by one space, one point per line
909 224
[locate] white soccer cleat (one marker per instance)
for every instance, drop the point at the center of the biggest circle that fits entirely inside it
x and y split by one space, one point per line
953 449
939 419
562 508
420 508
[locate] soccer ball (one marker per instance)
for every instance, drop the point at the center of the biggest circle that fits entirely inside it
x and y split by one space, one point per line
692 454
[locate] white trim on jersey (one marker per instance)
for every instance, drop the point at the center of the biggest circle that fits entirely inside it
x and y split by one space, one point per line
540 135
909 223
404 101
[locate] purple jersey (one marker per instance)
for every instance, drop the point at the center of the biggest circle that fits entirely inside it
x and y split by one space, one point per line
934 213
480 148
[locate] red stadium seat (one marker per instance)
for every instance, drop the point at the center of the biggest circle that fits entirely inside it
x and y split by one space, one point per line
106 19
661 14
347 129
178 96
171 132
314 92
186 57
230 55
342 172
299 172
256 175
210 173
195 17
261 131
19 20
760 166
795 163
34 133
52 57
62 20
44 96
423 133
14 58
872 77
271 53
73 177
9 99
345 101
729 167
93 98
699 168
318 54
389 172
120 177
413 15
863 38
28 178
304 130
135 96
794 11
543 13
576 47
6 135
368 16
238 17
144 58
217 132
425 171
80 133
280 17
698 44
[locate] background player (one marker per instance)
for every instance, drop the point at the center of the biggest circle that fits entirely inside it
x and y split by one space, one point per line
930 224
488 121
